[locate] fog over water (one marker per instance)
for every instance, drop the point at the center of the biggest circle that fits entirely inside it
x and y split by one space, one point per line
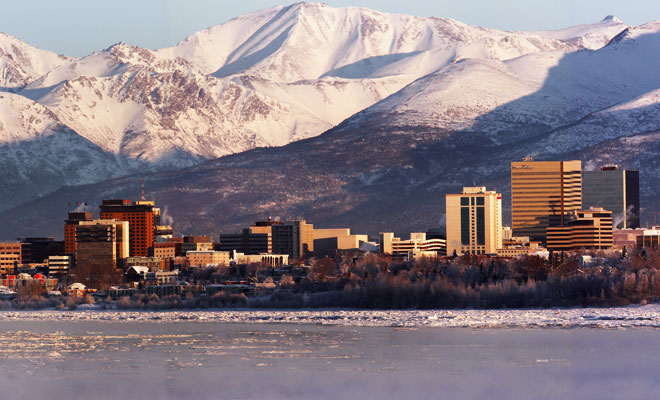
216 360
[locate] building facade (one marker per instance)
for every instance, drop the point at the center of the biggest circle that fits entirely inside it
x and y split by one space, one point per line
100 244
294 238
587 229
70 225
10 257
417 245
164 250
649 237
329 241
196 243
543 193
209 257
273 260
615 190
474 221
39 249
247 242
59 265
140 216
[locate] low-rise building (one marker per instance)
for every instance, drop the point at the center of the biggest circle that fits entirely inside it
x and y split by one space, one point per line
164 250
274 260
626 237
257 239
196 243
207 257
10 257
59 265
152 263
518 246
649 237
417 244
76 289
586 229
162 277
329 241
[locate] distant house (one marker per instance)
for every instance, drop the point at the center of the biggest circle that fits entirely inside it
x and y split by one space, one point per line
76 289
136 273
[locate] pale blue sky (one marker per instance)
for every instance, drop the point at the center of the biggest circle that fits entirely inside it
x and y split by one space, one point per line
79 27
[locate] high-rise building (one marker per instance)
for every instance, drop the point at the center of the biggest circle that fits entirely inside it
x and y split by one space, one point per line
101 243
474 221
585 229
294 238
613 189
543 193
140 216
70 229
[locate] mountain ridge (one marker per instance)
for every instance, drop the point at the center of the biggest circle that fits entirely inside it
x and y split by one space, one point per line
404 95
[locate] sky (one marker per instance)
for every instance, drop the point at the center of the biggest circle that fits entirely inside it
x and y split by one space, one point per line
79 27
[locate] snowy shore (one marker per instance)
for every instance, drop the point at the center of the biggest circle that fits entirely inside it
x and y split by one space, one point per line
608 318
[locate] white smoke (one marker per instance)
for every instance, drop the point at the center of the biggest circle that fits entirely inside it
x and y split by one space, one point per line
166 218
443 220
591 165
618 219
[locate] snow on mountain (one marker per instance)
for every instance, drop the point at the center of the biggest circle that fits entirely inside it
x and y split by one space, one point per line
284 74
305 41
589 36
551 88
21 64
39 153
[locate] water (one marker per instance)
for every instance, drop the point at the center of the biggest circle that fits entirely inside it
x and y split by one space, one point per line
58 359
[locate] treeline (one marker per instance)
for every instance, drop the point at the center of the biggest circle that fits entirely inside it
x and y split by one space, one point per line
376 282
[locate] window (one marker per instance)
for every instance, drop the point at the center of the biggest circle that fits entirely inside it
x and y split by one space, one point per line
465 225
481 226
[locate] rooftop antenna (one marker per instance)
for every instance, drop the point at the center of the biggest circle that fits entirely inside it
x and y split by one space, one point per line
142 195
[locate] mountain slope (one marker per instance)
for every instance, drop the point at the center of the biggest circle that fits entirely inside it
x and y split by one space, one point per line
21 64
414 107
388 168
39 153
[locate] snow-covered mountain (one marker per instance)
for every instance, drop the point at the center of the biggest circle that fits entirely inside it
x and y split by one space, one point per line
404 95
21 64
39 153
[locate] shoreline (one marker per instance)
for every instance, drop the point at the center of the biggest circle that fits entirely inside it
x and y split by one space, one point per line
647 316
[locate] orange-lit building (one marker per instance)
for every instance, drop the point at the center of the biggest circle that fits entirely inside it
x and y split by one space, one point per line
586 229
165 250
70 226
140 217
10 257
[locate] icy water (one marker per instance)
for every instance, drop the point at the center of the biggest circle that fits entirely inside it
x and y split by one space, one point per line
154 359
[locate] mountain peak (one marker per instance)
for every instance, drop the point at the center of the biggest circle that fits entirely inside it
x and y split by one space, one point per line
611 18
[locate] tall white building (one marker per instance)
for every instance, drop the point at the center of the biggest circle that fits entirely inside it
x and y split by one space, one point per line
474 221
